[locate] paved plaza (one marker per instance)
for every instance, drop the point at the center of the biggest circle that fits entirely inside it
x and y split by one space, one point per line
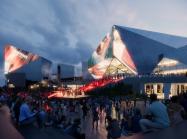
52 133
101 132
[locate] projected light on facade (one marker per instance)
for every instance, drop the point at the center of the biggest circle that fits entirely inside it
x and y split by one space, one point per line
111 58
16 58
120 51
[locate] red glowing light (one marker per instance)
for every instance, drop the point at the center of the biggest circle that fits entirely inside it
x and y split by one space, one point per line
98 84
88 87
57 94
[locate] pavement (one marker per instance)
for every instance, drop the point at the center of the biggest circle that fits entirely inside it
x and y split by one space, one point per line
44 133
177 132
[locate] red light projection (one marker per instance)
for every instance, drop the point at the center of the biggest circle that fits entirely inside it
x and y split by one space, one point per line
16 58
62 93
65 94
56 94
98 84
85 88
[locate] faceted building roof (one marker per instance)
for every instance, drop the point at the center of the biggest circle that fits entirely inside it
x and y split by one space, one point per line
134 51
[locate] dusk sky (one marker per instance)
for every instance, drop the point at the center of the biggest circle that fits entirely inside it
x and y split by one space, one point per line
67 31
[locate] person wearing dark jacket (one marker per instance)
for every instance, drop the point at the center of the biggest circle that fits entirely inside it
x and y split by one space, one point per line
75 130
113 129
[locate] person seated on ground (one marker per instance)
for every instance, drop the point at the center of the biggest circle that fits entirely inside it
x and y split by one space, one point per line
183 102
42 117
124 126
8 131
135 120
113 129
49 121
63 122
60 120
26 115
55 118
159 114
176 111
75 130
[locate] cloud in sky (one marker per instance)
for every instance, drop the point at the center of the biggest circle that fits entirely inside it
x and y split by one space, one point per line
69 30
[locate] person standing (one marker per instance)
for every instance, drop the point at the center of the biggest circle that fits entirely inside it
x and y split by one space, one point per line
95 113
16 110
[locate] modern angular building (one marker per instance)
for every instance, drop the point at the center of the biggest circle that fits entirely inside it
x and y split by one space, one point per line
152 62
21 66
68 72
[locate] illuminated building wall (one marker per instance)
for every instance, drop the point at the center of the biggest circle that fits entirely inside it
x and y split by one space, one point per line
136 52
37 70
170 66
34 67
164 89
164 86
152 62
16 58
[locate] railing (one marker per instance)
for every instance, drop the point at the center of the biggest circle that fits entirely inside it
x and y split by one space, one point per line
137 76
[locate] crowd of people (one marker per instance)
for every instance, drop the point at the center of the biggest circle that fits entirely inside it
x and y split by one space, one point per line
119 115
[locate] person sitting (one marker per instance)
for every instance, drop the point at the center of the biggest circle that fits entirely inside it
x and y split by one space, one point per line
124 126
159 116
42 117
113 129
75 130
26 115
183 102
135 120
176 111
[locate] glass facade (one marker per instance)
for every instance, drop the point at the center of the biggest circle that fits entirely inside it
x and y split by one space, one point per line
170 66
160 89
155 88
